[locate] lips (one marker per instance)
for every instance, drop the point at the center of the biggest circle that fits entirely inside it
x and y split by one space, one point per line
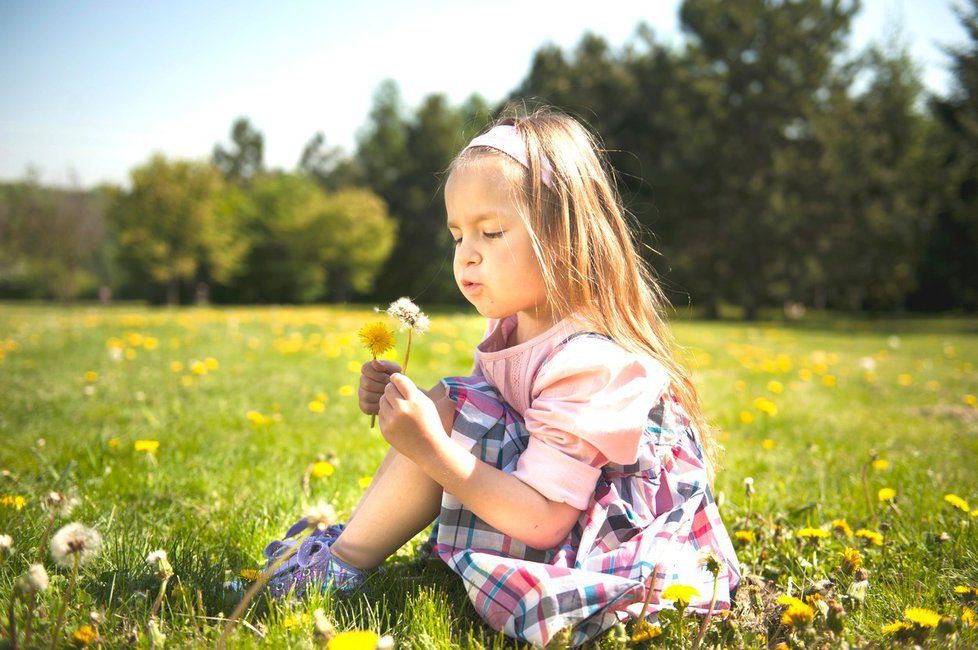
470 286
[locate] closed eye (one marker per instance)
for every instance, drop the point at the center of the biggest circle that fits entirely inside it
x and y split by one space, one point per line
490 235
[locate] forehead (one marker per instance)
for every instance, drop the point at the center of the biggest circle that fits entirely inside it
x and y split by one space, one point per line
481 188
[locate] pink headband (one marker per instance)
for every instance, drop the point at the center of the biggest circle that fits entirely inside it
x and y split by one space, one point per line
507 139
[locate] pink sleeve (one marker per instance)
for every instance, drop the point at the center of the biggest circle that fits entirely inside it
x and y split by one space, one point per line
590 404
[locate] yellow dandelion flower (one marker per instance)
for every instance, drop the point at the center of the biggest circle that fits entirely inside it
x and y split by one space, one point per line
114 443
316 406
922 617
816 533
968 618
187 380
91 375
957 502
377 337
851 559
904 379
84 635
364 481
964 590
870 536
682 594
881 464
798 614
135 339
211 363
746 417
257 418
775 387
322 469
886 494
149 446
829 380
765 406
297 621
971 400
198 367
767 443
354 640
130 354
16 502
151 343
176 366
744 535
353 366
346 391
645 631
897 627
250 574
740 386
805 374
842 526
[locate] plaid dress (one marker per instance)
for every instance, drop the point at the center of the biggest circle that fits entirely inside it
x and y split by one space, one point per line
657 511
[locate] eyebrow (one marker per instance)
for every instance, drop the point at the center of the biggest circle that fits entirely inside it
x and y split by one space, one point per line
479 218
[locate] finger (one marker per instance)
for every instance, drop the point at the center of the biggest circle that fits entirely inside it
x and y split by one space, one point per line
407 388
372 385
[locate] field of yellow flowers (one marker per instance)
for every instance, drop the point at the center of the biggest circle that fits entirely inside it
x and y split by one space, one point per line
148 455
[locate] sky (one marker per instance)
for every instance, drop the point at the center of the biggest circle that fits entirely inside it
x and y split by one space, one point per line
88 90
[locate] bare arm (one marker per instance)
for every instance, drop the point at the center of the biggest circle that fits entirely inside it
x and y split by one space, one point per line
498 498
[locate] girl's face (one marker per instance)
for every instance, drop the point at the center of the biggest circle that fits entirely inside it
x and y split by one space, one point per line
493 250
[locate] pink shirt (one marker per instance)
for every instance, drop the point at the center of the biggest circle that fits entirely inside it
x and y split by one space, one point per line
588 405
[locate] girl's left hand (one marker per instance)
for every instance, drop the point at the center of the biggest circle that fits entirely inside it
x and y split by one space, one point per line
408 419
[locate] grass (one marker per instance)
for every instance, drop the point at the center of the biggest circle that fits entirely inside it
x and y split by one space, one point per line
222 484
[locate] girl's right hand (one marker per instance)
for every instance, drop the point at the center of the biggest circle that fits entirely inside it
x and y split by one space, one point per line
374 377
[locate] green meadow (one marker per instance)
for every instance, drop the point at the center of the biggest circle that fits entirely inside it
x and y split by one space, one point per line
204 432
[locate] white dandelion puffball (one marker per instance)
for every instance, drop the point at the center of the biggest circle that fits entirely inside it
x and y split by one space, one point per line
156 557
75 539
6 543
408 314
35 580
322 515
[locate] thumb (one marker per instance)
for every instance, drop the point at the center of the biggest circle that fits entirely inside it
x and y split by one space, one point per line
404 385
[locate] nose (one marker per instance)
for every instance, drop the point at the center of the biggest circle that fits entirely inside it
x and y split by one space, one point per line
467 254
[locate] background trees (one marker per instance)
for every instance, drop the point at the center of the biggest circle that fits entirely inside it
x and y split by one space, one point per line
765 162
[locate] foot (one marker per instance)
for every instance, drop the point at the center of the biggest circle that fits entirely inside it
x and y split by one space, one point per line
313 563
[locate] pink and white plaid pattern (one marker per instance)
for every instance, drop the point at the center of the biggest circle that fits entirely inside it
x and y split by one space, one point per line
656 511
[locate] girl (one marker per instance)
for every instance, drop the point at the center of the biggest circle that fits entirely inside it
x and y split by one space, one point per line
573 468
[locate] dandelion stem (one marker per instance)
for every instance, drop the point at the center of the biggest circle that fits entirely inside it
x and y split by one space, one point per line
12 621
709 613
28 623
254 588
75 562
44 538
159 597
747 517
407 353
869 500
373 416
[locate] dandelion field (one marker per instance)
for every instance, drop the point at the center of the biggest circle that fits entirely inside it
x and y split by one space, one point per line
203 432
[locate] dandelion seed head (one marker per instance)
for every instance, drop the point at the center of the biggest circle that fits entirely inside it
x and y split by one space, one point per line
6 544
322 515
60 503
75 539
408 315
35 580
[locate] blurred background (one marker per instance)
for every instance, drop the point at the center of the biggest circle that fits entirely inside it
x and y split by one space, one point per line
782 157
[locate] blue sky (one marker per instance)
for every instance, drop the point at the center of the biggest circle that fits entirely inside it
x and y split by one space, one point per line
97 86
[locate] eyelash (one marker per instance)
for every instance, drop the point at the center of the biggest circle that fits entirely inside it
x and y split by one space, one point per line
490 235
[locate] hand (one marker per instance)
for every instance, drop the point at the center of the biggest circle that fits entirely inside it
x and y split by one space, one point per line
409 420
374 377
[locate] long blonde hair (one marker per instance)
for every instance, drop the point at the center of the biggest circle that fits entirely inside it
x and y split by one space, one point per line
583 241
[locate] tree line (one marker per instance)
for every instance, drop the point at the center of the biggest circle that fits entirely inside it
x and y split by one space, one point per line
766 164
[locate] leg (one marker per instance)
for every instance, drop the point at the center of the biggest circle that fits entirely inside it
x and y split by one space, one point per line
401 502
384 464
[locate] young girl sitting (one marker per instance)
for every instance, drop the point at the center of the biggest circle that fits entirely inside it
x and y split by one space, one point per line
575 462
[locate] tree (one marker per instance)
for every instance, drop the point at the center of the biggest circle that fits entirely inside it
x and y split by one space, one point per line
169 224
244 160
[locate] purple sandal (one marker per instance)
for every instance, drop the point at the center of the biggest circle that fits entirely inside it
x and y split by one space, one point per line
313 562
